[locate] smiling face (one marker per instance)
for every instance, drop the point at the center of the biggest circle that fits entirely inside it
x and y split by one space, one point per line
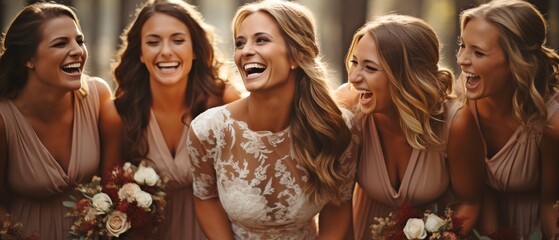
368 78
166 49
60 56
261 54
483 61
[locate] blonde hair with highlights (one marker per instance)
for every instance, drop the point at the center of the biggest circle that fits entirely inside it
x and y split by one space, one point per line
408 49
319 133
534 67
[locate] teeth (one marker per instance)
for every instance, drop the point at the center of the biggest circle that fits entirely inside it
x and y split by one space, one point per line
168 64
360 91
73 65
470 75
253 65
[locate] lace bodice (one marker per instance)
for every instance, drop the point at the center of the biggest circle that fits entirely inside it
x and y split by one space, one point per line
258 180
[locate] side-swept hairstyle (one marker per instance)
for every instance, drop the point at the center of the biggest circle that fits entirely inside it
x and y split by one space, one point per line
319 133
133 95
534 67
408 50
20 42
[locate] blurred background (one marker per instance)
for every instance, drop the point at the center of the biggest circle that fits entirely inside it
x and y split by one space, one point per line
103 21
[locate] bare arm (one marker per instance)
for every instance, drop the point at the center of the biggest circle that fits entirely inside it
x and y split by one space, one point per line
213 219
110 129
549 148
335 222
488 220
467 168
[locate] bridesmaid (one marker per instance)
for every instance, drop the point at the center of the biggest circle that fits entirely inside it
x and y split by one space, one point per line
510 80
419 145
51 117
168 72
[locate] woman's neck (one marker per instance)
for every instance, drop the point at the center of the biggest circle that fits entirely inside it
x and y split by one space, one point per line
44 104
169 98
269 113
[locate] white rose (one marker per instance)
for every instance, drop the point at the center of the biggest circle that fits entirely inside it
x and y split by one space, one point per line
127 191
127 167
117 223
433 223
415 228
101 203
146 175
144 199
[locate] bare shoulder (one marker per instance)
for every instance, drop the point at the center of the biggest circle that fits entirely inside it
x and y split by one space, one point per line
231 93
345 97
463 120
464 131
102 88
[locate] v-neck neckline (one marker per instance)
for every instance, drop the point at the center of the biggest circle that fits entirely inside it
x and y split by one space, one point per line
42 145
159 135
396 193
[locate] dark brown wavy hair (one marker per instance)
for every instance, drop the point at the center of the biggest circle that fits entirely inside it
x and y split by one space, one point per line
133 95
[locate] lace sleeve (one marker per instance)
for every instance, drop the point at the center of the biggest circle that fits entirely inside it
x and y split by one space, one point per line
202 161
349 158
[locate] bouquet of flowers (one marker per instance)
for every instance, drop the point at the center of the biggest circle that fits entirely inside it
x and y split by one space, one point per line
409 223
130 204
12 231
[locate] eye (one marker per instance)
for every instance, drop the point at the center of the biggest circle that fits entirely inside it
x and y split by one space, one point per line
479 54
152 42
81 42
262 40
179 40
353 62
239 44
60 44
371 68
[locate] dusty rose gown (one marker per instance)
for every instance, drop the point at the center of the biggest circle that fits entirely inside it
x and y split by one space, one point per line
426 179
180 221
37 183
514 172
257 178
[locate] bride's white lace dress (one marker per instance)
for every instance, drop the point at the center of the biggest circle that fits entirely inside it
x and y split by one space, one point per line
259 183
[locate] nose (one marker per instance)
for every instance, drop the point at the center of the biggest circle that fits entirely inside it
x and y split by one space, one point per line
462 58
166 49
354 75
247 50
77 49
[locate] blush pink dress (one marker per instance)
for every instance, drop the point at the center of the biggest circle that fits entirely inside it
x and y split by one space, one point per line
180 221
514 172
426 179
37 183
256 177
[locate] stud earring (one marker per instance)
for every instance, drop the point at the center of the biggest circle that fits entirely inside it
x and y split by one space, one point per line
292 67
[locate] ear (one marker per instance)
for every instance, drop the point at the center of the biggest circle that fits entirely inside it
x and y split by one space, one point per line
29 64
142 59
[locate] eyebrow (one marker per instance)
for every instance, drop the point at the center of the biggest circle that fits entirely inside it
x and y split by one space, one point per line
367 61
172 35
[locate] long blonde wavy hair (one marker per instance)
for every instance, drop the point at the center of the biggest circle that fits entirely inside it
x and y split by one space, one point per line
409 54
534 67
319 133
